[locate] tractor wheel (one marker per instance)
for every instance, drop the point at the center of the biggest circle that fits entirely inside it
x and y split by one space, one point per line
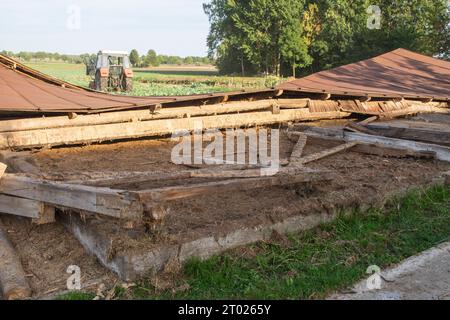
102 84
128 84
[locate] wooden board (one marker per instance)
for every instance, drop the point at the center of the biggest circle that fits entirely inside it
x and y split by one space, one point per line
3 168
20 207
442 152
414 134
155 196
297 152
372 149
328 153
143 115
433 118
113 203
36 210
109 132
409 124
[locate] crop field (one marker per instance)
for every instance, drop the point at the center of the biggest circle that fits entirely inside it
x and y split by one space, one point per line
165 80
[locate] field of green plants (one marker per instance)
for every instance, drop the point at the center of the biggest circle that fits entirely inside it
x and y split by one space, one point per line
163 81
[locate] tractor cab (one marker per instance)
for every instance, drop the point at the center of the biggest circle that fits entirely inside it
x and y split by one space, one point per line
111 71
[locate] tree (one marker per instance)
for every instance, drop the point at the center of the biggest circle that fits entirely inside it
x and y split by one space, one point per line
257 35
342 36
151 59
283 36
135 59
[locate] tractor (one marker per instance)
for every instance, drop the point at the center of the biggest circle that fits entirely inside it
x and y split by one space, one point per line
111 71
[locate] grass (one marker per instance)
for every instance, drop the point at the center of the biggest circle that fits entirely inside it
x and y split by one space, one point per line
162 82
77 296
318 262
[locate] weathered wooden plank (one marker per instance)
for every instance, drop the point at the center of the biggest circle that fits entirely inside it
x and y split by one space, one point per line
372 149
20 206
131 116
328 153
409 124
114 203
369 120
154 196
442 152
46 215
430 136
144 115
3 168
413 110
355 127
293 103
297 153
108 132
432 118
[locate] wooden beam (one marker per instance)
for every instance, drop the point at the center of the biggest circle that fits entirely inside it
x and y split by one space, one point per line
293 103
409 124
372 149
442 152
413 110
36 210
354 127
401 130
47 215
144 115
130 116
143 177
432 118
108 132
113 203
156 196
369 120
328 153
20 206
297 153
3 168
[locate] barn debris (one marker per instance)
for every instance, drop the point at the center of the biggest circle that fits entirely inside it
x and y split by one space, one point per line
377 118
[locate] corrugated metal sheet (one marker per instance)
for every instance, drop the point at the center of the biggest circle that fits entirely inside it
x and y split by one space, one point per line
400 73
23 89
397 74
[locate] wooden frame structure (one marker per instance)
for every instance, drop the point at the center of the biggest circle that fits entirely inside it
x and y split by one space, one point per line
37 198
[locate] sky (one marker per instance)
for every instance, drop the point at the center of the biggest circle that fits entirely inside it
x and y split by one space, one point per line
172 27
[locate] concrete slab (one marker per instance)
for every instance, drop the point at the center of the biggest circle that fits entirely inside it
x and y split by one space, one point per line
131 264
422 277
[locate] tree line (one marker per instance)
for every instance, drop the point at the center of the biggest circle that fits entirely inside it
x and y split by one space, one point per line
295 37
45 56
151 59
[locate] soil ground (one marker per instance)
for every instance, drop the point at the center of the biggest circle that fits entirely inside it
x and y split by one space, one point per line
47 251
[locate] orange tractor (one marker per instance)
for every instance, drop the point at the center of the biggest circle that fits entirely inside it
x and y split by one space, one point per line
111 71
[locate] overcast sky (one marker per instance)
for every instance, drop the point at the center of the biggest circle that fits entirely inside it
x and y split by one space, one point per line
174 27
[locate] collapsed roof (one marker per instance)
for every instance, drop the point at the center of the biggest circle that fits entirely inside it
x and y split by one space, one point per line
23 89
400 73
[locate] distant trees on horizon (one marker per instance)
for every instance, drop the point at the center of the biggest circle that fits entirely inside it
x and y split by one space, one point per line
151 59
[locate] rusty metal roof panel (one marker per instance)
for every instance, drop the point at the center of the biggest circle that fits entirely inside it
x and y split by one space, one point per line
397 73
23 89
